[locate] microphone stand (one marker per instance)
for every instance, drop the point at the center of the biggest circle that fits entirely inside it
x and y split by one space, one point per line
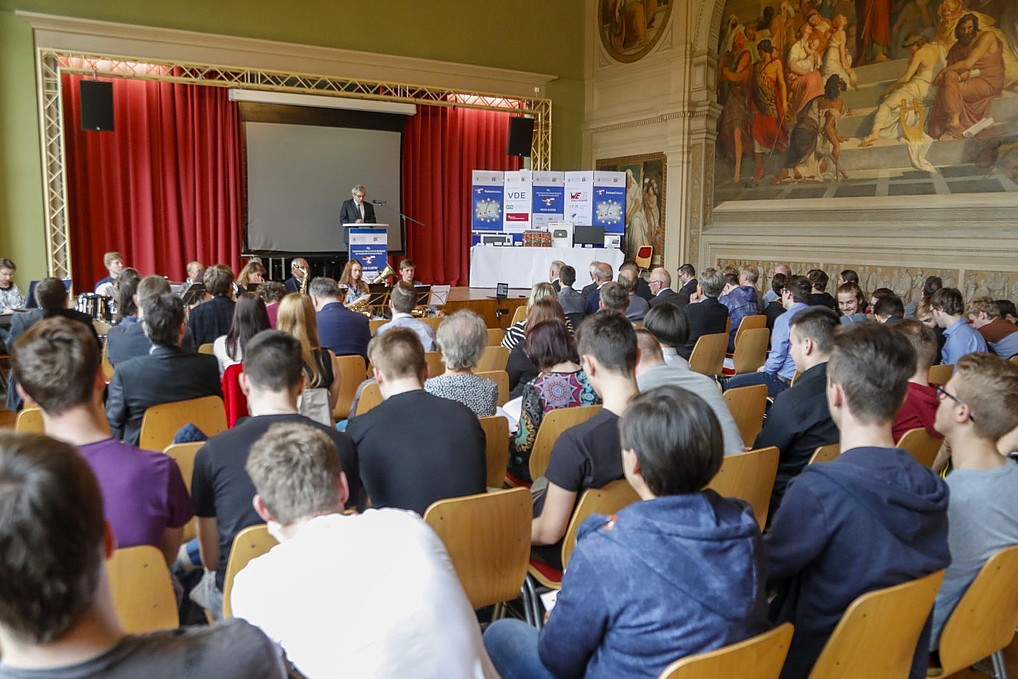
404 217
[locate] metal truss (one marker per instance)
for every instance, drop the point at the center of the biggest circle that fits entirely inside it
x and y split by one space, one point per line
52 64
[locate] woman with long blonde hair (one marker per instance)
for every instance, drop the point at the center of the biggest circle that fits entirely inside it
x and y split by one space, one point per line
297 317
352 281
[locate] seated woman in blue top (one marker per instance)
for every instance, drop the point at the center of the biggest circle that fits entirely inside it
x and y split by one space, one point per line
678 574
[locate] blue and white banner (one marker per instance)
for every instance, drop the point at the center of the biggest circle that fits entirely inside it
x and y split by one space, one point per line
517 190
370 248
486 200
609 201
549 198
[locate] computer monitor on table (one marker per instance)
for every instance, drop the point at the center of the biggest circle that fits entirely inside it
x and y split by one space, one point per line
588 236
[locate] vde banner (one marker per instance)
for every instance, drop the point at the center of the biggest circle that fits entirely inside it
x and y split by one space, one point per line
486 200
549 201
516 191
370 248
609 205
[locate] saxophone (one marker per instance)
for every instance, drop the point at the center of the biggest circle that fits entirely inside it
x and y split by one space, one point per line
303 281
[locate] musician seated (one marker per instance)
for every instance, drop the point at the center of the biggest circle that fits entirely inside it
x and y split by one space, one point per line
407 269
114 263
357 293
402 301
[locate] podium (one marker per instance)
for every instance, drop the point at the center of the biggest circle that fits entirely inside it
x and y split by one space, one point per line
369 245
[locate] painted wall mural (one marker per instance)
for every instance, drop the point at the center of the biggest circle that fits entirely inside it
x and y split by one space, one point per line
867 98
629 29
645 201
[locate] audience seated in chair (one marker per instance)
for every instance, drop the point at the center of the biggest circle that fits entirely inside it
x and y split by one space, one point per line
660 285
739 296
587 455
888 309
779 369
125 342
414 447
340 330
601 274
920 406
775 307
774 294
145 499
58 617
644 587
562 383
687 284
818 280
851 304
653 372
402 300
273 377
572 302
978 406
799 421
517 332
871 518
1000 335
637 306
213 318
249 318
613 298
462 338
165 375
707 316
667 322
949 314
520 367
385 571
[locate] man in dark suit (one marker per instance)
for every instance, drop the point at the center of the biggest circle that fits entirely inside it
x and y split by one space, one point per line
213 318
51 293
298 270
661 288
128 340
343 331
553 274
602 274
357 210
640 286
165 375
687 276
708 316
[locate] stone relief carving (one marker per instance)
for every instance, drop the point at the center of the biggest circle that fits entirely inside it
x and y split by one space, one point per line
995 284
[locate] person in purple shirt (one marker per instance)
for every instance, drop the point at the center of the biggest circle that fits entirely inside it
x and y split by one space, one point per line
949 313
779 369
144 496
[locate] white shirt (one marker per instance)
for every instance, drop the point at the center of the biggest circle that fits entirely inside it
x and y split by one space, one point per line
219 351
372 595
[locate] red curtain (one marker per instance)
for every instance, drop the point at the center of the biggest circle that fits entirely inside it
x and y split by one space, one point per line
441 147
166 187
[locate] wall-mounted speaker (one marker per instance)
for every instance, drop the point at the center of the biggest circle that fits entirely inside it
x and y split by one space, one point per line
521 137
96 105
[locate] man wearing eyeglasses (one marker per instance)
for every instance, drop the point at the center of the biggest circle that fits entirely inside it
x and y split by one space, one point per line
661 288
978 405
357 210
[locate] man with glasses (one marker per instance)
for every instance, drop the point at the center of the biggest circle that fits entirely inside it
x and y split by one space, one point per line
661 288
978 406
357 210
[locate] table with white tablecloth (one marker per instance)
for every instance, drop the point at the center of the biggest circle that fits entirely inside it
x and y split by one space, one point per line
522 267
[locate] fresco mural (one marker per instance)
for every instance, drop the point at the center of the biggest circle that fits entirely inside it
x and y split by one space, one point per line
629 29
645 201
867 98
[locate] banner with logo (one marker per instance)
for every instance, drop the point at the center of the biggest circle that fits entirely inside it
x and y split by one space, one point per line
579 198
486 200
370 248
549 198
516 191
609 202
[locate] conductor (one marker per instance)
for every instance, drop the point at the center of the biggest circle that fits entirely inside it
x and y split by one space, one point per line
357 210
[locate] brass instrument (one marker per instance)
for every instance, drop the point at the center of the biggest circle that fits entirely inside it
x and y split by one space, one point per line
303 281
387 272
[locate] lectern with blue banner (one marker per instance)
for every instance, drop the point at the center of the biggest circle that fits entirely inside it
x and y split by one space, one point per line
367 243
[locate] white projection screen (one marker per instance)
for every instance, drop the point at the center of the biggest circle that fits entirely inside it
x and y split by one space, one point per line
299 175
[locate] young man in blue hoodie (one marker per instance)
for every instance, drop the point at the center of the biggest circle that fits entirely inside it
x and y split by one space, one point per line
872 518
677 574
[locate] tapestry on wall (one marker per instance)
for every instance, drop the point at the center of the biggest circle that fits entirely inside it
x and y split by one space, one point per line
645 201
867 98
629 29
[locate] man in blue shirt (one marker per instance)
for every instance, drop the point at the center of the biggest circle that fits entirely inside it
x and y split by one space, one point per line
949 313
779 369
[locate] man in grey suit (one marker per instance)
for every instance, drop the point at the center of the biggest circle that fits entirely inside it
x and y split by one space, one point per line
166 374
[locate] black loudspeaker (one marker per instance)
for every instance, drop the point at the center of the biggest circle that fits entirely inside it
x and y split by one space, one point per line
96 105
521 137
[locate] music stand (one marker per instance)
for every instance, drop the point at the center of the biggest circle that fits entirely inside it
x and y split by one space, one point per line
423 294
193 294
439 295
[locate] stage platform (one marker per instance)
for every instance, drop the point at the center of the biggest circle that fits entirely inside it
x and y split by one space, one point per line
482 301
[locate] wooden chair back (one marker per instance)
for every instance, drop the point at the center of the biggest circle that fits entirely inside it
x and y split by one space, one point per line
759 657
750 477
644 254
142 590
708 357
495 337
493 358
984 620
751 350
434 361
921 445
375 323
106 365
162 421
501 378
940 374
753 322
370 397
520 314
249 544
351 374
496 448
554 423
29 421
207 348
825 453
877 635
183 454
607 500
433 321
488 540
748 405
